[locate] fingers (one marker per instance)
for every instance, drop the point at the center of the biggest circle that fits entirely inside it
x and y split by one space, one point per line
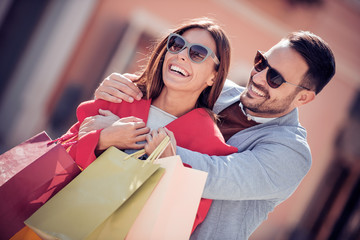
84 127
106 112
132 77
148 138
142 134
156 136
116 88
141 138
154 139
125 88
87 121
142 131
169 133
108 94
162 131
125 82
132 119
154 133
137 146
171 149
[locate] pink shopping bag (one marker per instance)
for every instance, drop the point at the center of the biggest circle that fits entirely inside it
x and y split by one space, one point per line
30 174
170 211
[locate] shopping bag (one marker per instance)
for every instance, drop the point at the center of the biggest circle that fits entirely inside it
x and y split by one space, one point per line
170 211
86 202
119 223
30 174
25 234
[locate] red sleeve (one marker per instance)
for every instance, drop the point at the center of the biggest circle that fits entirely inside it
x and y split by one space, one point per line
83 150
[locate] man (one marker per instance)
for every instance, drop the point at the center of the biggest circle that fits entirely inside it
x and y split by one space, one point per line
263 124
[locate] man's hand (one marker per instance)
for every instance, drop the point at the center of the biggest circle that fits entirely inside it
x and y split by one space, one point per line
118 87
105 119
155 138
124 134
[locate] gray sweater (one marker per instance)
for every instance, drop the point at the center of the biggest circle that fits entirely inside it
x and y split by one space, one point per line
272 160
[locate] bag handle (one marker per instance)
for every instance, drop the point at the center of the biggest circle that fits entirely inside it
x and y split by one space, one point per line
156 153
136 154
159 149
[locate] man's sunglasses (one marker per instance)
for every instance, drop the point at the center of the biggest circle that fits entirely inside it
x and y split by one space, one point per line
197 52
273 77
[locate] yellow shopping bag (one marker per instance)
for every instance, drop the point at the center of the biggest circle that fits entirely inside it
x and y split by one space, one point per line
119 223
86 202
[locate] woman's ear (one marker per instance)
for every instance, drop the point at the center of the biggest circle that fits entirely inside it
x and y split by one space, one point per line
210 82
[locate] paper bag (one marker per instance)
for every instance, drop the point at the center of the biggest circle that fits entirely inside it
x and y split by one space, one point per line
119 223
30 174
170 211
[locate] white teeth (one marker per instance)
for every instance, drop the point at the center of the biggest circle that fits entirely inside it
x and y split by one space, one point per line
178 69
257 91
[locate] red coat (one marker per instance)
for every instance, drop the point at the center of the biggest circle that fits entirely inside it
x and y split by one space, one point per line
195 131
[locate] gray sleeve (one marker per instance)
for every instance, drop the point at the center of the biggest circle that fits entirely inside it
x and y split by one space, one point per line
270 170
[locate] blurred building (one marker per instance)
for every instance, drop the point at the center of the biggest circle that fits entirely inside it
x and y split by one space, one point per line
54 53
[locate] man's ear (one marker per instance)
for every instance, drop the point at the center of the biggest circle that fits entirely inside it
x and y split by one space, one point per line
305 97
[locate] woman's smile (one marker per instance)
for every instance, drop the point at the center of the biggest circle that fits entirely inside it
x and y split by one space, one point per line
178 70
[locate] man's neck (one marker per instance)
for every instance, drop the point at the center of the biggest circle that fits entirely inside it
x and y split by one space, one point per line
255 118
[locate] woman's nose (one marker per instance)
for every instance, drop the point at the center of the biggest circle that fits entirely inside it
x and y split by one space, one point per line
183 54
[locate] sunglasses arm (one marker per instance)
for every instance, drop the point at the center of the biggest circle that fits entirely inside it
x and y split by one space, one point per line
214 57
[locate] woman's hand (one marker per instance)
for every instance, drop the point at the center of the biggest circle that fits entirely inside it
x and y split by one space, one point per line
154 139
105 119
125 133
118 87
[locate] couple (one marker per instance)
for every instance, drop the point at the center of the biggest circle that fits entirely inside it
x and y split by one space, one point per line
261 120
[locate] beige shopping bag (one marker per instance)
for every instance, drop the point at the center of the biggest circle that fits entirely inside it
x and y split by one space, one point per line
170 211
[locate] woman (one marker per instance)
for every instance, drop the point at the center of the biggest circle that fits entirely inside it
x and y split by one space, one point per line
181 82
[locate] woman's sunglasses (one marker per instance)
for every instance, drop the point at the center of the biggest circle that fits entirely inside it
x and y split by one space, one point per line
197 52
273 77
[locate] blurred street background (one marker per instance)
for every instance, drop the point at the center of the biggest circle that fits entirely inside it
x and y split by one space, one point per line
54 53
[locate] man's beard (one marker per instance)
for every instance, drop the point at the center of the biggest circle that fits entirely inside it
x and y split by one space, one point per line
268 106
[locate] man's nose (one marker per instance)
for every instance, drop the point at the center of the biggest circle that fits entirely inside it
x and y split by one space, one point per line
259 77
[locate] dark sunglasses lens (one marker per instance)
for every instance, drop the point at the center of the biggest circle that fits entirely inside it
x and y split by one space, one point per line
175 44
259 62
273 78
197 53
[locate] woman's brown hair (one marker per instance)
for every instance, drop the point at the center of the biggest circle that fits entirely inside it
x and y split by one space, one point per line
151 82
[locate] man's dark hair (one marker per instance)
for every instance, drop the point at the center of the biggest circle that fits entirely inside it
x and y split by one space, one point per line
318 56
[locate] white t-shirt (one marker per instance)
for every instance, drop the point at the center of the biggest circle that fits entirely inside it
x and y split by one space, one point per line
157 118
